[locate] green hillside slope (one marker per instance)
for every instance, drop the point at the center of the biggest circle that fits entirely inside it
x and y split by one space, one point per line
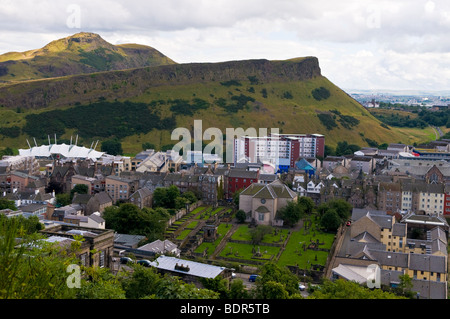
144 105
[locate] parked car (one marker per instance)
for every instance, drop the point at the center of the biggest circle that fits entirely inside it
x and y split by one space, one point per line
125 260
302 287
145 263
252 278
233 275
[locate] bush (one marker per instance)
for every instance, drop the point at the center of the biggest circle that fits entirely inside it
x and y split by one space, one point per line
112 147
327 120
320 93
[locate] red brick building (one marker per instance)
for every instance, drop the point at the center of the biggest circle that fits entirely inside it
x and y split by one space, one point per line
447 200
240 179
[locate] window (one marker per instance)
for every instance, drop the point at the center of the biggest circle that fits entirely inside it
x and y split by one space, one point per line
261 217
101 259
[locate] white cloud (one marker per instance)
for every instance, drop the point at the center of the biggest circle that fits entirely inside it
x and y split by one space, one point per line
360 44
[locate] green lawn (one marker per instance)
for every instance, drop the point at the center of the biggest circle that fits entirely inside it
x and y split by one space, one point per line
294 253
222 229
197 210
243 233
192 225
209 213
244 251
184 234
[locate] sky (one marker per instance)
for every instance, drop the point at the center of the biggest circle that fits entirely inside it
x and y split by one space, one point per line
361 45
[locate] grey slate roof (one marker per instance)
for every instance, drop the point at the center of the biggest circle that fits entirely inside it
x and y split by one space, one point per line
424 262
127 240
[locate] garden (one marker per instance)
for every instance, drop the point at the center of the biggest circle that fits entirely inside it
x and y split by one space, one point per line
305 246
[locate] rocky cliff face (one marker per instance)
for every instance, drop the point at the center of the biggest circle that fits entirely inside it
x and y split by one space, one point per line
129 83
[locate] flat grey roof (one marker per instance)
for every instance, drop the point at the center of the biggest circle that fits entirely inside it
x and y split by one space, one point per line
195 268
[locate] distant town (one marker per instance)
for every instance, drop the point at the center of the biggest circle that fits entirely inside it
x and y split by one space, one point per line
370 216
425 99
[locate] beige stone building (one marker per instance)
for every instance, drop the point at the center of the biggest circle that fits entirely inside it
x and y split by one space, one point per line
120 189
262 201
397 244
96 249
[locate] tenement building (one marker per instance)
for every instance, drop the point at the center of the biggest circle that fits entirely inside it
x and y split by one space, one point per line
397 244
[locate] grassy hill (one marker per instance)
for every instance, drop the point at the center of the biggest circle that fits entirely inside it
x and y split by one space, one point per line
80 53
145 104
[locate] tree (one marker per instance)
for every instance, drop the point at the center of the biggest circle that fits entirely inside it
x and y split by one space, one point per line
291 213
257 234
330 220
241 216
307 203
7 204
63 199
273 290
235 196
342 207
166 197
238 290
334 213
80 189
275 282
343 148
35 269
218 285
142 283
112 147
102 284
405 287
220 190
343 289
190 197
130 219
171 287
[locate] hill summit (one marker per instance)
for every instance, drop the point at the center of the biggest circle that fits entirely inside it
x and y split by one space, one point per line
80 53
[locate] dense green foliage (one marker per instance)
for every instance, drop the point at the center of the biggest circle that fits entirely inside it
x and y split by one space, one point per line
7 204
130 219
276 282
238 103
101 119
330 121
321 93
291 213
423 119
347 121
327 120
170 197
184 107
333 213
343 289
231 83
112 147
31 268
343 148
13 131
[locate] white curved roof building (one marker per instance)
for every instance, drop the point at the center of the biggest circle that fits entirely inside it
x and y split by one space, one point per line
64 150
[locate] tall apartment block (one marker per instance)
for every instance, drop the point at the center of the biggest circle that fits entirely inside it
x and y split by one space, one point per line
280 150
